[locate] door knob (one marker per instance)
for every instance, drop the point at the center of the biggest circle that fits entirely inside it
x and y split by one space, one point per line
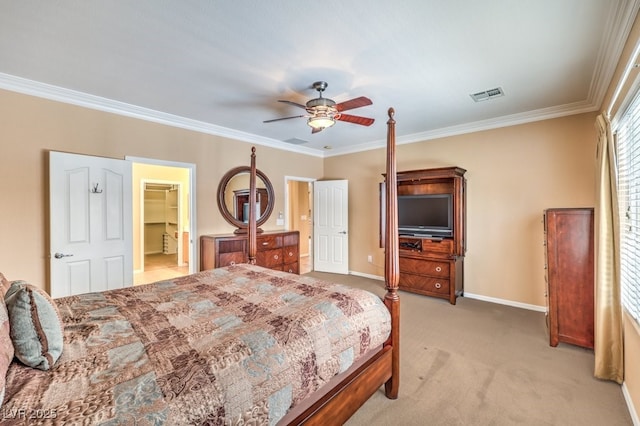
61 255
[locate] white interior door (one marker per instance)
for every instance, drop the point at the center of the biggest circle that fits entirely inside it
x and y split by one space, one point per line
90 224
331 226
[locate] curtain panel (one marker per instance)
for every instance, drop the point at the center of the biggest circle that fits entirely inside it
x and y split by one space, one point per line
608 332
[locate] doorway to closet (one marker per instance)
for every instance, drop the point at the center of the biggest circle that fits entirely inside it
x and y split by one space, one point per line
163 219
162 228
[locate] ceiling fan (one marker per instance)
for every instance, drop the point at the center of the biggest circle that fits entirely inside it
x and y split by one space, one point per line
324 112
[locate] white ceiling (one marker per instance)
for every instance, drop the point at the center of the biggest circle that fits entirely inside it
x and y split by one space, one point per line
220 66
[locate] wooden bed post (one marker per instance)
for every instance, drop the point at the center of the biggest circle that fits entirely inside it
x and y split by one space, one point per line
391 268
342 400
252 229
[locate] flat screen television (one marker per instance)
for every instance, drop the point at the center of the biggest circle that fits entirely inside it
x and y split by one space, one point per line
426 215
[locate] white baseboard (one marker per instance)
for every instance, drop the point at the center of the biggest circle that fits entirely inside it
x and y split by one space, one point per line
506 302
370 276
632 411
471 296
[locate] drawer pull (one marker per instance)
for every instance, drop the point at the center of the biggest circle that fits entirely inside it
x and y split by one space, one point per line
290 271
275 256
232 263
438 269
438 285
265 243
290 253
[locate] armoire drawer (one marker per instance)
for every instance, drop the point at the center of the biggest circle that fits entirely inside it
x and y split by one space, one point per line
422 283
433 268
438 246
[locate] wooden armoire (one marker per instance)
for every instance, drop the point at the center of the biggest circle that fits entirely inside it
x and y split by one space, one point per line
569 242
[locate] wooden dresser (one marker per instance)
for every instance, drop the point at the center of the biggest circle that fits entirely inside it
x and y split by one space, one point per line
275 250
570 275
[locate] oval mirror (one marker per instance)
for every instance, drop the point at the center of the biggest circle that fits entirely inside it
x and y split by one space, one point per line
233 198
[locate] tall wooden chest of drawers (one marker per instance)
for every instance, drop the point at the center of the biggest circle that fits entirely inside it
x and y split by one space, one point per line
275 250
570 276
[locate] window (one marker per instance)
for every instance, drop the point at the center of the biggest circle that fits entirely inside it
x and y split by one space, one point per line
628 147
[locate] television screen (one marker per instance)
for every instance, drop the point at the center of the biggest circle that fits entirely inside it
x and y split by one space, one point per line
425 214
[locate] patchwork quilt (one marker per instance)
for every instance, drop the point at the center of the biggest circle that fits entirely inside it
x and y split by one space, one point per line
235 345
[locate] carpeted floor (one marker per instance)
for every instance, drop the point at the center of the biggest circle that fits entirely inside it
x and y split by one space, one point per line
479 363
158 267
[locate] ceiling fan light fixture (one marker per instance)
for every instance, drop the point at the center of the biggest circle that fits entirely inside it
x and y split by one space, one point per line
324 112
321 121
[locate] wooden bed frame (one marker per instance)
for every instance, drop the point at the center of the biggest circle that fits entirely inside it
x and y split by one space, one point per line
344 399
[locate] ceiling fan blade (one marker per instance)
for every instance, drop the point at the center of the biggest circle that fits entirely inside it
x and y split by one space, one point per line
293 103
354 103
355 119
283 118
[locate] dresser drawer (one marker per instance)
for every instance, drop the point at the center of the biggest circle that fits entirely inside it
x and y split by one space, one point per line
268 242
433 268
291 239
269 258
290 254
226 259
292 268
421 283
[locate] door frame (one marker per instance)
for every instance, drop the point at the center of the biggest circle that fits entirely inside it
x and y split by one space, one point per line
193 255
287 206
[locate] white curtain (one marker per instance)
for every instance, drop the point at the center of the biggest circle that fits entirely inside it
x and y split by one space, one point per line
608 345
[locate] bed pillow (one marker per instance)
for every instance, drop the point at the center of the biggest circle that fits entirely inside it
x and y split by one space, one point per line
36 329
6 348
4 285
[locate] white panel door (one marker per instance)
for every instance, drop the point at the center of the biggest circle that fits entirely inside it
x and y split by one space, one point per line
331 226
90 224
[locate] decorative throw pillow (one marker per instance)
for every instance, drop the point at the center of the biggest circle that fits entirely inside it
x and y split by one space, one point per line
6 348
36 329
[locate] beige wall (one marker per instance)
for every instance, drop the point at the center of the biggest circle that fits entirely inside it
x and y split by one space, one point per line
30 127
513 174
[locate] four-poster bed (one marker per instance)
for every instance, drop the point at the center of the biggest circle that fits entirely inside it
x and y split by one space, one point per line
234 345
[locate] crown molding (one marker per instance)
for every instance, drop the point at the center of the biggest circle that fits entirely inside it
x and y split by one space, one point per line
617 30
476 126
73 97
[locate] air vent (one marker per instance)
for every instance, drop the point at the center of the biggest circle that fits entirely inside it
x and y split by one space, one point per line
296 141
487 94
